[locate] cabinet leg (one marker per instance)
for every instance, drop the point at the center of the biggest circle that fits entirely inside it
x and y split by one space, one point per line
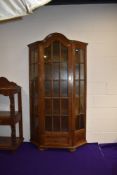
72 149
42 149
13 134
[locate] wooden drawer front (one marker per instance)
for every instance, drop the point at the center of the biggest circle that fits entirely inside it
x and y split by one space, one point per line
56 141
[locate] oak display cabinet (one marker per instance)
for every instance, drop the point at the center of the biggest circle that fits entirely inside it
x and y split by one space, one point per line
57 80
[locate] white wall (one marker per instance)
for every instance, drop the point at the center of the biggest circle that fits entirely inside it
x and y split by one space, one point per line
94 24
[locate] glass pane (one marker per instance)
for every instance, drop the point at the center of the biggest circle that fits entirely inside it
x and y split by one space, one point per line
36 70
76 106
77 87
48 71
77 68
77 56
36 121
35 103
63 71
35 109
82 88
81 56
64 107
82 110
32 71
56 106
47 54
64 123
55 71
34 125
36 56
81 71
33 56
56 123
56 51
34 88
64 88
64 53
48 106
55 88
80 122
47 88
48 123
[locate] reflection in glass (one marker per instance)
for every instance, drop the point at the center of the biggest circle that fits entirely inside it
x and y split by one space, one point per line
64 53
63 71
48 71
56 51
55 88
48 123
55 70
56 106
56 123
64 123
47 88
64 88
64 107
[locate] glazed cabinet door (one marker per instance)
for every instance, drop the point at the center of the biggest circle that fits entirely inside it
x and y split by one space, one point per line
56 95
79 92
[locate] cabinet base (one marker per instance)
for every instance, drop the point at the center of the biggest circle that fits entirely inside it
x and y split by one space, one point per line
70 148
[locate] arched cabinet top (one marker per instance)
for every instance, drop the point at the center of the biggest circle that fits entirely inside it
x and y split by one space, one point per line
57 37
7 87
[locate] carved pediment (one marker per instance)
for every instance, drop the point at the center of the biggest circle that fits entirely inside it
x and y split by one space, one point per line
7 87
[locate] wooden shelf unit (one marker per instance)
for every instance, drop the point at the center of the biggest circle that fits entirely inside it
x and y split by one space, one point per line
11 117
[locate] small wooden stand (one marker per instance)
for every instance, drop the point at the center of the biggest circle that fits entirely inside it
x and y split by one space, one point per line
11 117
